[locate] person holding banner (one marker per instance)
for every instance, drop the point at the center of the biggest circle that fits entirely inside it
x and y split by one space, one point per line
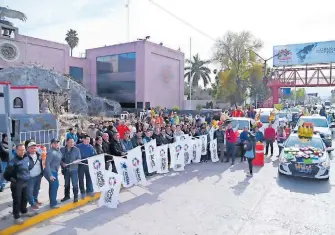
203 131
86 151
147 138
70 159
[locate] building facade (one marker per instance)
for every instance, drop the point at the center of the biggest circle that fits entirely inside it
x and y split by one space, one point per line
23 99
136 74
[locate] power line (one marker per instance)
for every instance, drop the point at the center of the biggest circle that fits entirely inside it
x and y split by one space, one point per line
181 20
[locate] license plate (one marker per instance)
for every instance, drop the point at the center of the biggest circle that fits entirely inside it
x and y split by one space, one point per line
303 168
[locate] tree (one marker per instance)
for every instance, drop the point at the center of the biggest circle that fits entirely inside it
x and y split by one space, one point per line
72 39
235 55
197 70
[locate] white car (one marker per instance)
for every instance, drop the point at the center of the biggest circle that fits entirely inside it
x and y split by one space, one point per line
316 167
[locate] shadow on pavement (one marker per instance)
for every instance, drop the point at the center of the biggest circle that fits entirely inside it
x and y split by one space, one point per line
100 216
303 185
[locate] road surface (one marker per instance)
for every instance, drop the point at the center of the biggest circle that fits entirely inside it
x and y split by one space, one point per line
210 199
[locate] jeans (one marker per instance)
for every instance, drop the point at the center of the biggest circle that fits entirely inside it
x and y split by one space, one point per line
20 198
242 151
269 143
33 184
231 151
144 163
70 176
250 164
2 179
83 171
53 188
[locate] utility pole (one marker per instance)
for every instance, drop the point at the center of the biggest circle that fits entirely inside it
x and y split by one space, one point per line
8 120
191 78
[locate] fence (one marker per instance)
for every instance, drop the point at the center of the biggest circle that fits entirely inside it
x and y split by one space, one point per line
41 137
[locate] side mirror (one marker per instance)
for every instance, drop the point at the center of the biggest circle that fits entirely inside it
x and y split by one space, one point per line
332 125
329 149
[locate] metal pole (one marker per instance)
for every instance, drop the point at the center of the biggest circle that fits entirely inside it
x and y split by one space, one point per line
128 20
8 122
191 74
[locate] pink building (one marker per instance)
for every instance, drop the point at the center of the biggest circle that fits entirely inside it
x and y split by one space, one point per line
136 74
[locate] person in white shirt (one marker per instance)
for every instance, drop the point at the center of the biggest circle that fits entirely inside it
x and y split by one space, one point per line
36 173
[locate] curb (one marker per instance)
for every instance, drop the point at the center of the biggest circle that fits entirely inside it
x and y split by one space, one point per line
39 218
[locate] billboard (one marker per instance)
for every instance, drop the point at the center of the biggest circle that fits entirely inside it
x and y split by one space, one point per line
302 54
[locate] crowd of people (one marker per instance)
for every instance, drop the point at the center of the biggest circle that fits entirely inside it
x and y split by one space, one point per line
114 138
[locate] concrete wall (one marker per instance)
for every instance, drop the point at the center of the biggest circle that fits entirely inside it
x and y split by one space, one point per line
28 95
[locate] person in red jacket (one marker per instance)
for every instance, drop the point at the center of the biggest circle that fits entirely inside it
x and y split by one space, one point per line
270 137
237 112
231 139
122 128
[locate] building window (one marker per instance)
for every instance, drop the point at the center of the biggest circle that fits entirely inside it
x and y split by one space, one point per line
18 103
77 74
116 78
139 105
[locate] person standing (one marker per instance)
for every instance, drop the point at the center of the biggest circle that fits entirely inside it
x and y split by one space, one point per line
250 155
281 137
219 136
70 159
86 151
126 142
230 143
98 145
269 136
244 138
72 135
52 164
4 157
36 174
18 173
122 129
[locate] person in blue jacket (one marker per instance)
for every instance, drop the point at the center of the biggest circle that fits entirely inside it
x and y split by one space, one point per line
259 135
244 138
72 135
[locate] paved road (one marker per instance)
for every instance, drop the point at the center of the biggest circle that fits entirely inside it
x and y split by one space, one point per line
210 199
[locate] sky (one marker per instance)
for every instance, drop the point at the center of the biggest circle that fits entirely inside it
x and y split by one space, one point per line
104 22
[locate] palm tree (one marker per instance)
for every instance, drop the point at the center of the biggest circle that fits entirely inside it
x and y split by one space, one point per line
72 39
197 70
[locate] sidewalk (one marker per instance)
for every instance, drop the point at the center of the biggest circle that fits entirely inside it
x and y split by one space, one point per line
6 216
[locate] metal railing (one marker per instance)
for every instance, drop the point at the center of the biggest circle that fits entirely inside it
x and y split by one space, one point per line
41 137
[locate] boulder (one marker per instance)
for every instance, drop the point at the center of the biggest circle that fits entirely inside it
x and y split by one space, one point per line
81 100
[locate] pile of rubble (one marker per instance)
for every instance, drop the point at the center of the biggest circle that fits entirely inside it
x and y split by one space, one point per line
81 101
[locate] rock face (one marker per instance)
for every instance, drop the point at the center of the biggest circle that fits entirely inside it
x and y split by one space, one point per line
81 101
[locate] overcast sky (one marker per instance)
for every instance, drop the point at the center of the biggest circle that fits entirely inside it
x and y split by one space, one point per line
104 22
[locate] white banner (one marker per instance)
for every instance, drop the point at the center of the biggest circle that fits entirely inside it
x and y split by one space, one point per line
203 139
96 166
110 197
211 133
196 151
187 145
123 168
134 158
182 138
162 159
214 150
177 156
150 155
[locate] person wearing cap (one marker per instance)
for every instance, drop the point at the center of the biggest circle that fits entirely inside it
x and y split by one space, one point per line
219 136
4 156
70 159
86 151
52 164
36 173
72 135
